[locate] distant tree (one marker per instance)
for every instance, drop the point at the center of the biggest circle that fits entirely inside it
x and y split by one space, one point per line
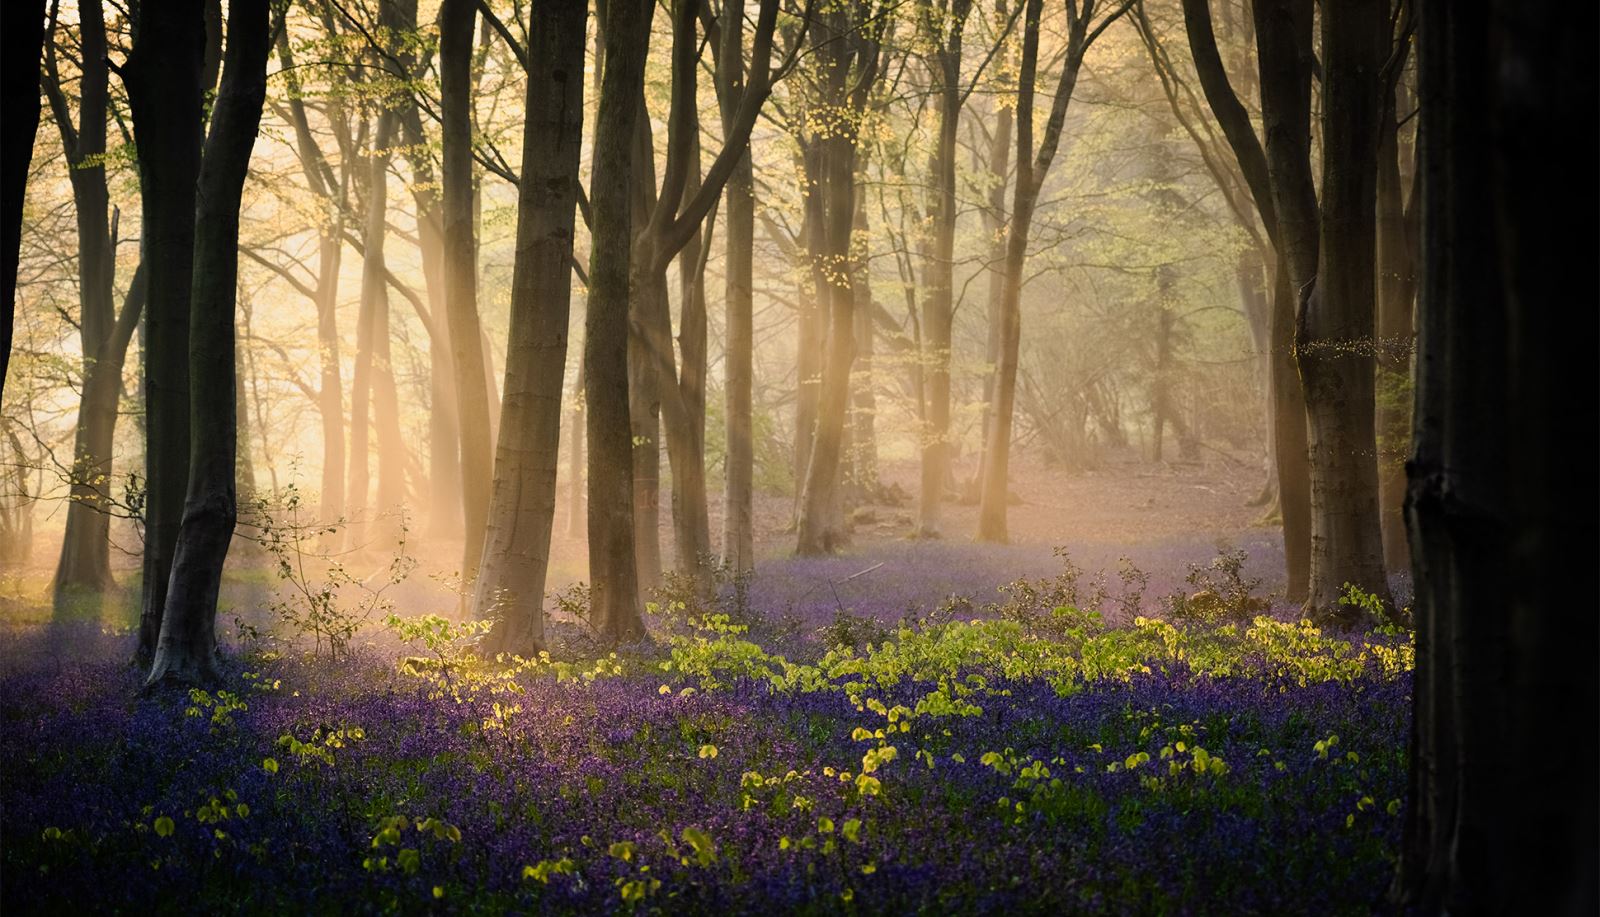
164 79
186 651
1083 29
456 21
103 332
22 27
516 553
1501 815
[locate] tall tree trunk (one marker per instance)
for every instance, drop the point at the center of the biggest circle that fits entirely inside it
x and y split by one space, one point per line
1396 289
456 21
647 299
1334 330
85 564
163 79
1501 501
1032 168
738 517
615 608
945 30
23 39
863 454
516 554
995 222
330 390
186 652
686 427
1283 43
575 508
813 318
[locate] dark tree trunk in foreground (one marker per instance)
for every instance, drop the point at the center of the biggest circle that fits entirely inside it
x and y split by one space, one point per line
1334 331
186 653
456 20
1032 168
516 553
163 79
1501 508
1283 50
944 29
614 608
21 41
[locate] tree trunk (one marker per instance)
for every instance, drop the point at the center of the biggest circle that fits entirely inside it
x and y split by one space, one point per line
22 29
330 390
163 79
516 554
1333 333
615 609
85 563
1396 288
939 265
1500 503
1283 42
738 520
995 222
456 21
186 653
686 426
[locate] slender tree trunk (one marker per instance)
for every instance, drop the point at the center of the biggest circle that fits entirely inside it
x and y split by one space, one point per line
330 390
615 608
22 29
939 265
516 555
85 562
996 222
813 319
186 653
163 79
457 18
576 515
863 398
1283 42
1334 330
1500 503
738 519
1396 289
691 521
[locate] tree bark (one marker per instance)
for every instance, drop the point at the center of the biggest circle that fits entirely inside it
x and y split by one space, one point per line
85 563
1396 300
1032 168
1500 503
456 21
615 609
186 652
1334 329
1283 48
945 31
163 79
738 521
516 554
23 31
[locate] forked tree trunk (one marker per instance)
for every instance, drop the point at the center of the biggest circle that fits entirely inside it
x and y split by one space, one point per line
163 79
516 555
1501 500
615 609
456 21
1334 331
186 652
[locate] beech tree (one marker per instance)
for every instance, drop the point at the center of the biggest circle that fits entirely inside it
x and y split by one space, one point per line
186 650
163 76
1083 29
614 600
1500 504
516 552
